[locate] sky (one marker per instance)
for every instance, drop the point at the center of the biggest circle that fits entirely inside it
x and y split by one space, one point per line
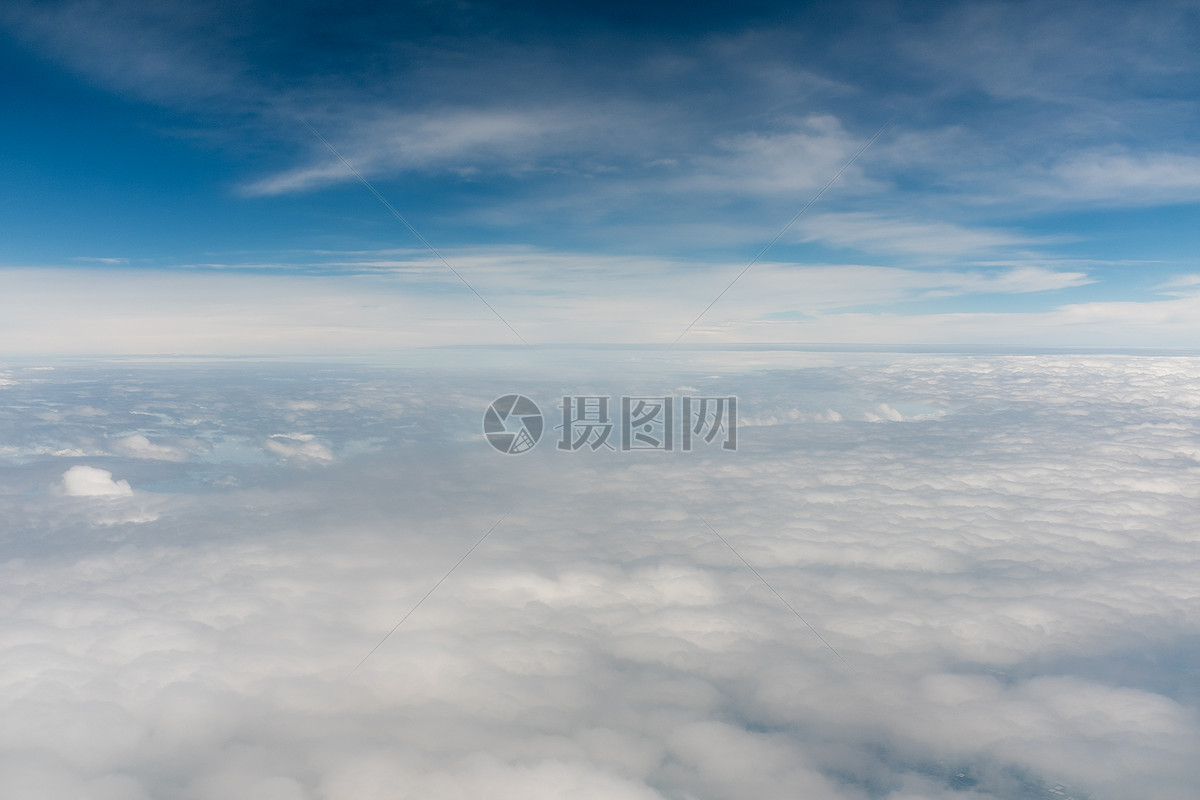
598 173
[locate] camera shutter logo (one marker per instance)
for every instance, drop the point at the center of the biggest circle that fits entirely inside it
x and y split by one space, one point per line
513 424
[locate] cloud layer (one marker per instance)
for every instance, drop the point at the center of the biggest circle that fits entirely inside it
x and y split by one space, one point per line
1002 549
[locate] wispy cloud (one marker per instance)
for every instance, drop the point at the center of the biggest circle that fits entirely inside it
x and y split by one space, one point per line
175 53
1119 177
459 141
934 240
796 156
1181 286
103 260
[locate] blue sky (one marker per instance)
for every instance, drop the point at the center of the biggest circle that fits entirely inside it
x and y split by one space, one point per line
599 172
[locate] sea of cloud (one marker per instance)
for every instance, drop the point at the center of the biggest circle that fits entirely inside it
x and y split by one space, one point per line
998 558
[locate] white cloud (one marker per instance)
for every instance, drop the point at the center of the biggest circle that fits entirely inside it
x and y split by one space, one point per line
148 50
797 157
875 233
1125 178
138 446
883 412
1017 280
815 289
991 574
83 481
103 260
1169 323
463 140
298 446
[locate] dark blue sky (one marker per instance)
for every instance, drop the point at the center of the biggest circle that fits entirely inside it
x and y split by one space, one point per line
1041 158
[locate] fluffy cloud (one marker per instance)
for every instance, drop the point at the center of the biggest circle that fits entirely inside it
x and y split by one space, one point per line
1009 569
82 481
